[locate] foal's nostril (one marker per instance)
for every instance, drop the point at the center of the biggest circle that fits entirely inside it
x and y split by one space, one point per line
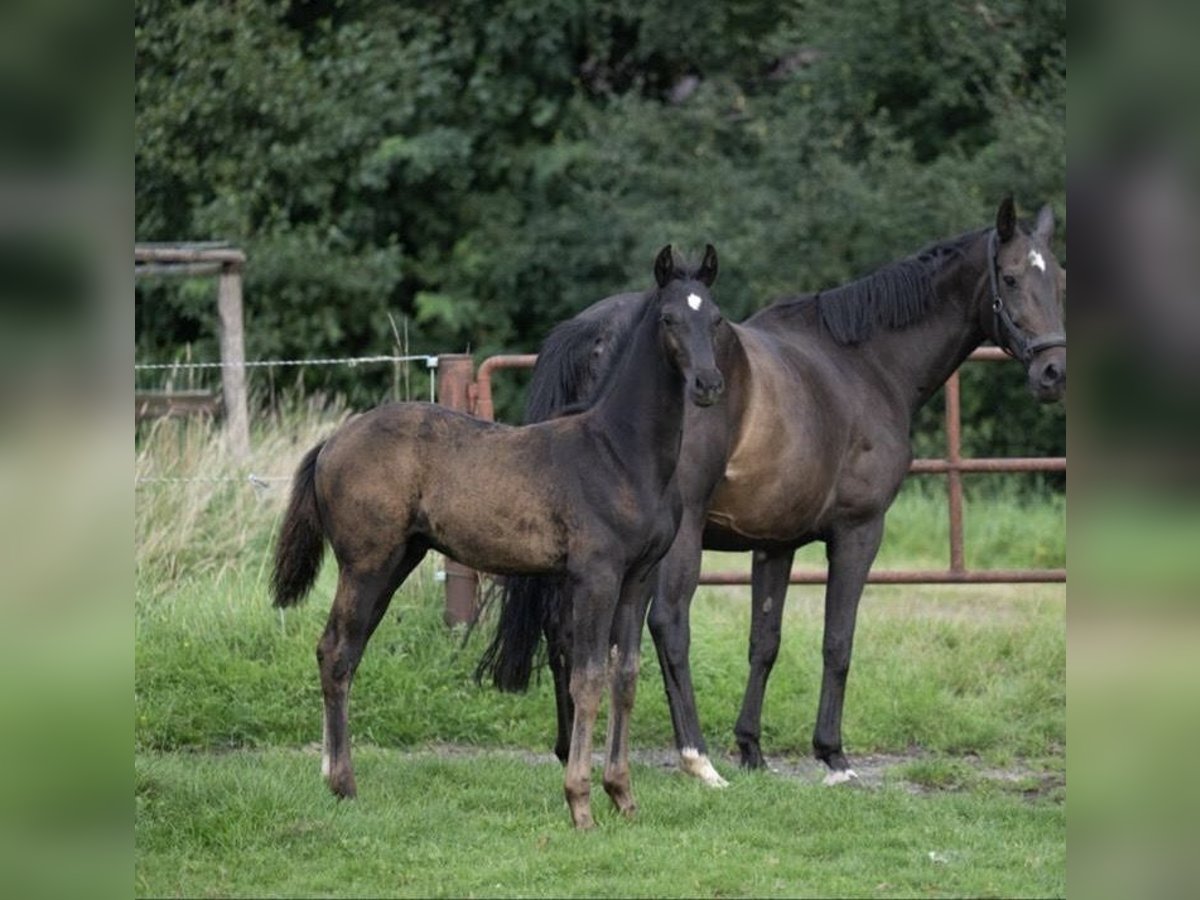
1052 375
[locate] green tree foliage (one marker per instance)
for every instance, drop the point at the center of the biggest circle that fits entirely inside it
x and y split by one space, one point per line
486 169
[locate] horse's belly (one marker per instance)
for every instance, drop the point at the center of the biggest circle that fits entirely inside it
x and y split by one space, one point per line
768 508
490 530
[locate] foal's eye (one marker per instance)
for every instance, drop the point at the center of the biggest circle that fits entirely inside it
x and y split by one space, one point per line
1010 280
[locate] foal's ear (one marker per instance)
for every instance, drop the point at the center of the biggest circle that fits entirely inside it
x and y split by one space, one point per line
1044 228
664 266
707 272
1006 220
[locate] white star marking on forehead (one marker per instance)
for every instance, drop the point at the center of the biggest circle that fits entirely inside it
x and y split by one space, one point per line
1036 260
695 301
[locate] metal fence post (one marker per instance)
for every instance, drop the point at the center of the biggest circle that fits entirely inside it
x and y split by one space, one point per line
455 380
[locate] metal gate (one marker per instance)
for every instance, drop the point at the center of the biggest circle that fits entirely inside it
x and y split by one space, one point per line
459 387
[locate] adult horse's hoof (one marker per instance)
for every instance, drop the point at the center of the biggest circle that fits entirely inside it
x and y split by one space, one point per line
840 776
752 757
696 764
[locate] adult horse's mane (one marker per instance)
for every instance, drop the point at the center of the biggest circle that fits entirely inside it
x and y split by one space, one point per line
894 296
560 354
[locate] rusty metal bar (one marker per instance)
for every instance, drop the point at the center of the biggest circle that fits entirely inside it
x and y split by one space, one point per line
990 465
909 576
483 395
455 383
953 475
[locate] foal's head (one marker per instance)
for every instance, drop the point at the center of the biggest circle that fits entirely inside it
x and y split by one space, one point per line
689 321
1027 287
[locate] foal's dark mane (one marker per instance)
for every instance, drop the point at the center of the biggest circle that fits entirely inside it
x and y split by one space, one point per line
894 296
560 353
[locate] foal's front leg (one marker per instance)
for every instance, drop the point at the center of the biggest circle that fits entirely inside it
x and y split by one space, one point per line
625 658
592 613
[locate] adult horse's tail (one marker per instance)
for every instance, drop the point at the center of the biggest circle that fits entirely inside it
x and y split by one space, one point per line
572 364
301 543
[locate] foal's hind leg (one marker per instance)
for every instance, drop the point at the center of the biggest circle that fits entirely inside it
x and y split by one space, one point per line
362 598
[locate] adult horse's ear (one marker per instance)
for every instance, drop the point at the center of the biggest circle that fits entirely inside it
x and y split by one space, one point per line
1006 220
707 273
1044 228
664 266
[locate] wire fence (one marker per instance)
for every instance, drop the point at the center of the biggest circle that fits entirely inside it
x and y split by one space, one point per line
264 482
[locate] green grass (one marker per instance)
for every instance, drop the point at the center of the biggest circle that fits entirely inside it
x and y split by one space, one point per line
259 824
962 686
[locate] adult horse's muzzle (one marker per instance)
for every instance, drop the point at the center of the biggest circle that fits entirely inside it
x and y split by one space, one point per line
706 386
1048 374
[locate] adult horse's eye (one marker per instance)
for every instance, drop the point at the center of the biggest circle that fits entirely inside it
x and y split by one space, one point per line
1010 281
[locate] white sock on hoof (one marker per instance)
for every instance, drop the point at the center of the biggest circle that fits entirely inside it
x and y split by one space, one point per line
840 776
692 762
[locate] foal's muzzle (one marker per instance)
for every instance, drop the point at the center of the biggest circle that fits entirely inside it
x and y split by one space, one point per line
706 387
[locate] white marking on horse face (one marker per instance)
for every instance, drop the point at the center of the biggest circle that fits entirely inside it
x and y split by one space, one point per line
1037 261
695 301
697 765
840 776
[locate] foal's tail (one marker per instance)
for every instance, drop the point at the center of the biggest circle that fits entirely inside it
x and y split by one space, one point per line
529 604
301 543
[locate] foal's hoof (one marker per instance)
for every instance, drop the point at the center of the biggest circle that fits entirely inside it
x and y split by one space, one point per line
624 802
840 776
582 821
342 785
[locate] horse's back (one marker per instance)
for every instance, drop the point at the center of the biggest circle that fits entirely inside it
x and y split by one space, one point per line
492 496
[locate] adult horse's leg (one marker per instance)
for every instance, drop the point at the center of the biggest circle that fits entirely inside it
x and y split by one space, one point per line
558 655
625 659
851 552
359 605
768 591
592 607
679 573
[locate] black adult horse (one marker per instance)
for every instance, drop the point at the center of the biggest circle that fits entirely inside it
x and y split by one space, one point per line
810 443
590 497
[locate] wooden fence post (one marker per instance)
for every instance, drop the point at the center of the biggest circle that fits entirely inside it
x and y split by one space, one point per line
233 358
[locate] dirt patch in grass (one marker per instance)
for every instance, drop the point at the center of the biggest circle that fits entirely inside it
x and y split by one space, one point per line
917 771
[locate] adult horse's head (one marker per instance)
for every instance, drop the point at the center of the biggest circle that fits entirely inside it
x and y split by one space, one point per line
689 321
1026 292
